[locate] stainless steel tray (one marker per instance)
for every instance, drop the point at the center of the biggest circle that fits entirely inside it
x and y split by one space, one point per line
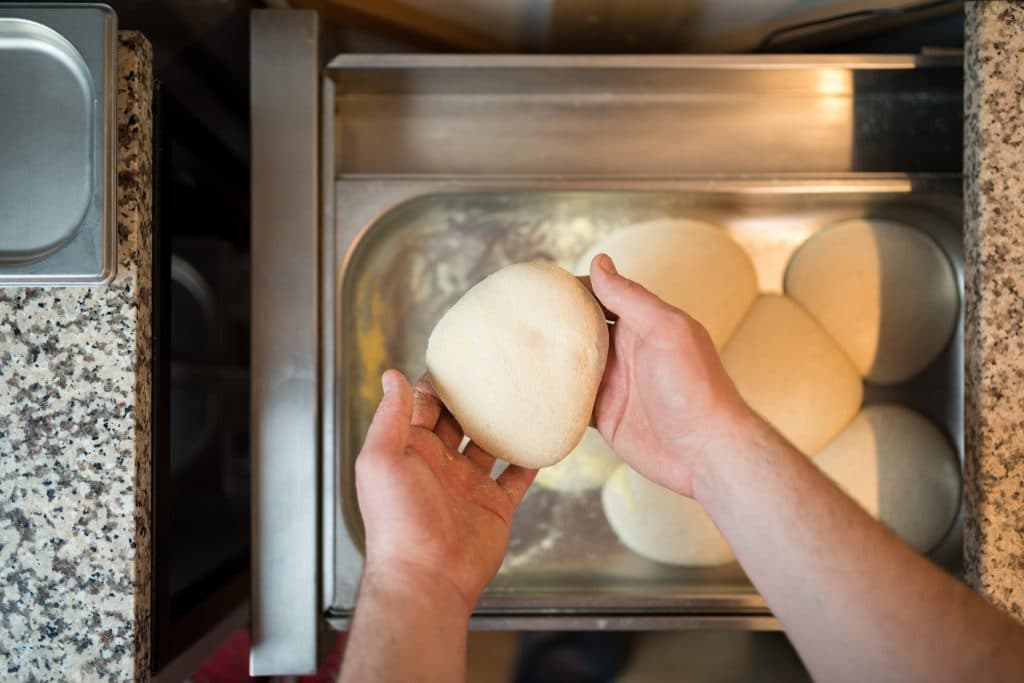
57 83
430 244
438 170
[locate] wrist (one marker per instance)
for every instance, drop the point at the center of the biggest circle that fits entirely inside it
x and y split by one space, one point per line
410 585
743 435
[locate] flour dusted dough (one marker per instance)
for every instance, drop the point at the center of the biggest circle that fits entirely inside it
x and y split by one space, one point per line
885 291
518 359
586 467
899 468
659 524
792 373
692 265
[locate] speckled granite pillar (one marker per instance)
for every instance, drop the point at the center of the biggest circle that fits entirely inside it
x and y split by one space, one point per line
75 366
994 283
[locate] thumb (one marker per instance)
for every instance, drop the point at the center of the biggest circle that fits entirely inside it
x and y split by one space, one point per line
389 430
622 296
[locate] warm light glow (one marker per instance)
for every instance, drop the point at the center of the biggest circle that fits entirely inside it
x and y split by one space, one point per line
835 81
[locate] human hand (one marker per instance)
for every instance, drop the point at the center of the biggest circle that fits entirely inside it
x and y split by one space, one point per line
665 402
434 518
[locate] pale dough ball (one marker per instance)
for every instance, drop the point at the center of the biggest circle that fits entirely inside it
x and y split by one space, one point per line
692 265
518 359
791 372
586 467
659 524
899 468
885 291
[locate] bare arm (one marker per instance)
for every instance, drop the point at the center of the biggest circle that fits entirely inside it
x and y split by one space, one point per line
858 604
856 601
406 629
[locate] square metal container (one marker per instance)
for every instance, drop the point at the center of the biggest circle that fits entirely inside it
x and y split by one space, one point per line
58 86
410 263
445 170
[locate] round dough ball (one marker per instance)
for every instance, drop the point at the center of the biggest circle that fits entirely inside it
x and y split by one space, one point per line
586 467
885 291
692 265
518 359
661 525
792 373
899 468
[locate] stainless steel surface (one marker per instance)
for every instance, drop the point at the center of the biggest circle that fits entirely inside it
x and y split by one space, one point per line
447 168
328 465
645 116
57 141
43 73
419 244
560 620
285 88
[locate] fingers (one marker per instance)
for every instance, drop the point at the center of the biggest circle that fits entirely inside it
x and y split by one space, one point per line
516 480
602 400
448 430
389 430
429 412
426 406
479 457
585 281
622 296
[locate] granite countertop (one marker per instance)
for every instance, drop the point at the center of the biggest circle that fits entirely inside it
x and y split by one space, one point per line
75 371
994 296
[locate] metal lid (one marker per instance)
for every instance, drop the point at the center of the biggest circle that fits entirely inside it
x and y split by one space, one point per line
57 144
46 123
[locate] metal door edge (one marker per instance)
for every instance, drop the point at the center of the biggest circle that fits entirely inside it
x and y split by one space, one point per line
285 105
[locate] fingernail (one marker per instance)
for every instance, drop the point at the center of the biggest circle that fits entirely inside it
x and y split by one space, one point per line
604 262
386 383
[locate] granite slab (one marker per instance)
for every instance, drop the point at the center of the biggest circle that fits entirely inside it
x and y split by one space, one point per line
75 376
994 302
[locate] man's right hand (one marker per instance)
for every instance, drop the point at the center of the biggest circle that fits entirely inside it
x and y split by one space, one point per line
857 603
665 404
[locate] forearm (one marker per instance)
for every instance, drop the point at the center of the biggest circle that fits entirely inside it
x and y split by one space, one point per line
857 603
406 628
